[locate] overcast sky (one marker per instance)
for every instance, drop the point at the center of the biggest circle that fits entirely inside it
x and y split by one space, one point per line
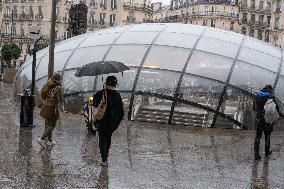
165 2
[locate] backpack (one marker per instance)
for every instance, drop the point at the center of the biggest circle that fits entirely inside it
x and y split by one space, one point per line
270 112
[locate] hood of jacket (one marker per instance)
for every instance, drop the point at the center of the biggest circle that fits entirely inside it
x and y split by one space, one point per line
51 83
263 94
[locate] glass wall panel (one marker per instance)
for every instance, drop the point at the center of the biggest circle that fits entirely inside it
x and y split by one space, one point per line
151 109
39 84
259 59
190 116
99 39
125 80
199 90
223 35
137 38
157 81
131 55
282 69
262 46
28 61
59 61
72 84
239 106
176 39
251 78
147 27
169 58
279 90
185 28
218 47
68 44
209 65
26 76
85 56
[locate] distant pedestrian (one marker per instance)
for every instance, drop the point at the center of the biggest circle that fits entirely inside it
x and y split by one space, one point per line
51 95
112 116
264 97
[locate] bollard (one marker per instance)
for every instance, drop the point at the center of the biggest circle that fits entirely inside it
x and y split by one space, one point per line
27 108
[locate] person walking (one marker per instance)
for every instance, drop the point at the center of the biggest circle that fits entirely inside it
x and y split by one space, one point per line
51 93
261 125
111 118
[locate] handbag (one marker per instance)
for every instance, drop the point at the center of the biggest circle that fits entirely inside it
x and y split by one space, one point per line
49 110
101 109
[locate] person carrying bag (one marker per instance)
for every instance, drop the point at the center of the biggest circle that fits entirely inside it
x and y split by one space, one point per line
109 114
52 98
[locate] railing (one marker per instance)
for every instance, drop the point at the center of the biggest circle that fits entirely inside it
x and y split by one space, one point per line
131 18
259 9
19 16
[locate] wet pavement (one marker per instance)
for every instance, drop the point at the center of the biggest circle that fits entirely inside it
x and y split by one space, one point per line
142 155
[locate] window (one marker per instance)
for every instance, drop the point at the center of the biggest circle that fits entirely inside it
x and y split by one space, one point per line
112 19
268 6
113 4
22 31
204 22
244 20
267 34
260 19
261 5
31 11
259 34
252 18
252 5
278 5
232 25
244 30
251 32
276 24
39 11
213 23
14 30
7 29
206 10
268 20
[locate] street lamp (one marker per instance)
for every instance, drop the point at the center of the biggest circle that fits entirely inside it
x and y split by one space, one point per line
27 99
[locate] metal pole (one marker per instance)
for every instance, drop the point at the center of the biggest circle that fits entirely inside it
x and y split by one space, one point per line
52 39
11 30
33 68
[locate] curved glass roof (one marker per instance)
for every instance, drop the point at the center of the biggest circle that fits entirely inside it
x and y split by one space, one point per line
167 59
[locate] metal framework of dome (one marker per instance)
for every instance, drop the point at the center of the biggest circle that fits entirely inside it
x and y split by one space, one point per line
178 71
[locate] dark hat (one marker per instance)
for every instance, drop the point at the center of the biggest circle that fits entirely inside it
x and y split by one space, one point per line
111 81
267 88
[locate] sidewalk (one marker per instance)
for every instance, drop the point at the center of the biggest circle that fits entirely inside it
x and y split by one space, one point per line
142 155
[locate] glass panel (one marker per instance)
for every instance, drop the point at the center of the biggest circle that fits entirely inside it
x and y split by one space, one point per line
28 61
90 54
190 116
42 52
99 39
147 27
133 54
279 91
137 38
230 37
59 61
199 90
167 58
184 28
260 59
26 76
39 84
262 46
72 84
218 47
282 69
151 109
68 44
251 78
239 106
157 81
176 39
125 81
209 65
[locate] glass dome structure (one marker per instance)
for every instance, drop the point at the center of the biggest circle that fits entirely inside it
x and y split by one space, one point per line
179 73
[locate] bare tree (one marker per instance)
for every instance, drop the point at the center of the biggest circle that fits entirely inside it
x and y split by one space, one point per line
52 39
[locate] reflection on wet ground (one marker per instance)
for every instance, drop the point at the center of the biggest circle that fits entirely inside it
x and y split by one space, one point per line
143 155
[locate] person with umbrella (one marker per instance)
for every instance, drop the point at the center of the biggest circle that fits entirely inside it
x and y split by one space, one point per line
112 115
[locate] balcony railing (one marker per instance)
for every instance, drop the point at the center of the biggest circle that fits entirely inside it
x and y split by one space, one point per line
131 19
19 16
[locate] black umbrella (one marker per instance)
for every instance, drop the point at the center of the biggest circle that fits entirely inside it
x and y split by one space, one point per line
101 67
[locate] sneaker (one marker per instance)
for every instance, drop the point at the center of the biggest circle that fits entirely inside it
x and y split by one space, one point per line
50 143
41 142
104 163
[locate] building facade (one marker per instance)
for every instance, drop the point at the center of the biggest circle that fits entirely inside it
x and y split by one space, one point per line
16 16
262 19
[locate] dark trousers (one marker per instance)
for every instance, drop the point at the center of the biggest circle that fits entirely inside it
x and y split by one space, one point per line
261 127
104 144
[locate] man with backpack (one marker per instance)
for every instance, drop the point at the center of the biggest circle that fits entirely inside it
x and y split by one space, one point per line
52 98
267 112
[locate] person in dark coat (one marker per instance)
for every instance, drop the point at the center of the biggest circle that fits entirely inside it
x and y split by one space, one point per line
261 125
112 117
